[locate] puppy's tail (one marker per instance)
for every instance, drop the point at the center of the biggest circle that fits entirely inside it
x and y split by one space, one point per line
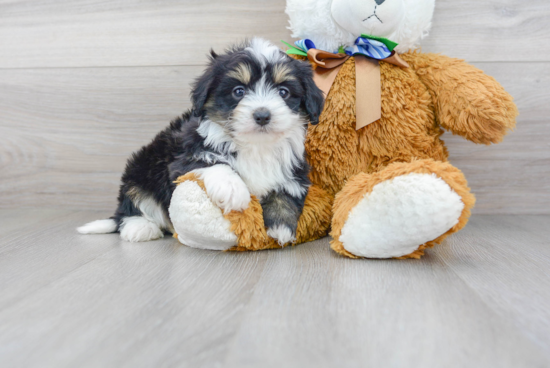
99 227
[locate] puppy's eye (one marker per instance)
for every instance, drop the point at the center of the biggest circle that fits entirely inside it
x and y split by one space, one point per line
238 92
284 92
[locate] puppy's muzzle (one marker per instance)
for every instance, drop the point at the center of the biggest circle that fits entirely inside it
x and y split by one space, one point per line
262 116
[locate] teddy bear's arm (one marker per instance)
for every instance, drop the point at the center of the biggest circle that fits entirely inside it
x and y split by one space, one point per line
467 101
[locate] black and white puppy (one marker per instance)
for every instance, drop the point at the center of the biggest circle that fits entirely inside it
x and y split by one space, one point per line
244 135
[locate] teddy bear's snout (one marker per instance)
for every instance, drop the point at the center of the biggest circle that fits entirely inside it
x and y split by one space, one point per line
379 2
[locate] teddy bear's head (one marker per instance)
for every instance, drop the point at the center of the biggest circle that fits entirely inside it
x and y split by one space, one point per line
334 23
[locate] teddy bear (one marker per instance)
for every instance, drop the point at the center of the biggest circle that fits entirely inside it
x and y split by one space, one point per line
381 180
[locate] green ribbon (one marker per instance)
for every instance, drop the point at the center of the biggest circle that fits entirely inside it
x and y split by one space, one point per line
293 50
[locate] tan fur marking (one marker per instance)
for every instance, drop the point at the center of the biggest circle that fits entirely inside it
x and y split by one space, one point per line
281 73
134 194
242 73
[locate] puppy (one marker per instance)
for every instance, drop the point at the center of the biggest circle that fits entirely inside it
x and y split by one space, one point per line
244 135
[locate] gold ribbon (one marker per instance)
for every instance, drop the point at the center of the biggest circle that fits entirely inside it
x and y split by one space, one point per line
368 100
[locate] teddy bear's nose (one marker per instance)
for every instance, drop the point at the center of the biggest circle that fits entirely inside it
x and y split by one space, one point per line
379 2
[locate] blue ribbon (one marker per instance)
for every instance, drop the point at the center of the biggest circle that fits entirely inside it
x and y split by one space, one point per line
363 46
371 48
305 44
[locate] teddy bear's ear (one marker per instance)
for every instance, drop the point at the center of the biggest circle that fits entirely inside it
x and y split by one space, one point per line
313 100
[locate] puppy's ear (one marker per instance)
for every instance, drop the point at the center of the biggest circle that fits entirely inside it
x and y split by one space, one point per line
201 89
313 100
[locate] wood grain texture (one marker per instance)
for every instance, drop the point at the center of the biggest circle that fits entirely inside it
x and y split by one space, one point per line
478 300
65 135
77 33
491 30
505 260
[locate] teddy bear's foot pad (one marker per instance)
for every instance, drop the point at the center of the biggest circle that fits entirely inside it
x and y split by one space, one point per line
401 214
197 221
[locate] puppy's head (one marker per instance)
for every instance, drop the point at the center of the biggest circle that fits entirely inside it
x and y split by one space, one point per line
256 90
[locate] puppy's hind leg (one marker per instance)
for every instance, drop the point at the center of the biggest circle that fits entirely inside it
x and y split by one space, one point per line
142 219
139 229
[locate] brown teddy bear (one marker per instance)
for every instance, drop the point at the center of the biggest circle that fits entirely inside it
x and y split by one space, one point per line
380 172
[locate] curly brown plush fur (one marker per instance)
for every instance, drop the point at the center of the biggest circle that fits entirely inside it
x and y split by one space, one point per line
435 92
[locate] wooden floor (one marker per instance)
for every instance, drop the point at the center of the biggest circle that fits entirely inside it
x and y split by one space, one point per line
481 299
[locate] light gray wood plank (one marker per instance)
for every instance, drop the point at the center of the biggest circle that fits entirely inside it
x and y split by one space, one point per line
374 314
490 30
505 259
163 304
54 259
139 305
97 33
11 223
65 135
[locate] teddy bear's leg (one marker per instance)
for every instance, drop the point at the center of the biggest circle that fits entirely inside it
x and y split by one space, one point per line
201 224
401 210
313 224
197 221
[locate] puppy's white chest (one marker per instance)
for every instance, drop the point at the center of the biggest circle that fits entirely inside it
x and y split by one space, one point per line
262 171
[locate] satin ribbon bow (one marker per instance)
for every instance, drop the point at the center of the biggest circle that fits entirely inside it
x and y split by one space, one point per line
376 48
367 50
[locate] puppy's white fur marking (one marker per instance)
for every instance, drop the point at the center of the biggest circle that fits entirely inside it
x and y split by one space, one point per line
282 234
224 187
268 167
98 227
264 51
139 229
216 138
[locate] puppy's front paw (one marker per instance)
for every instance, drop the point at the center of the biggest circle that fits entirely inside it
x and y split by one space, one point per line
230 194
225 188
282 234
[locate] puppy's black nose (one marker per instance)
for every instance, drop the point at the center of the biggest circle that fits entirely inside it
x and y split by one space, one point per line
262 116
